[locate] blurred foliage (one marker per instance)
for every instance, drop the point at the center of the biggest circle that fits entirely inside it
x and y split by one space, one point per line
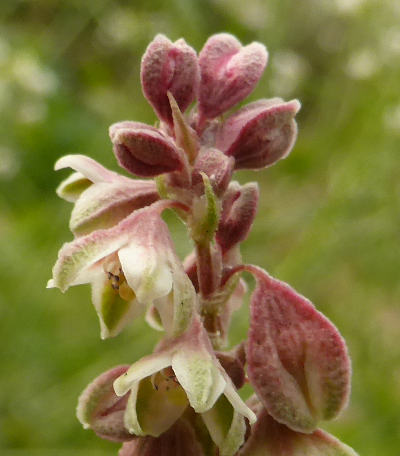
329 215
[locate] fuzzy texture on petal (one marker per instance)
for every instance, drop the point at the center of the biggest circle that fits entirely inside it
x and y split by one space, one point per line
179 440
169 67
229 72
269 438
144 150
101 410
239 208
77 257
259 134
217 166
107 203
87 167
297 361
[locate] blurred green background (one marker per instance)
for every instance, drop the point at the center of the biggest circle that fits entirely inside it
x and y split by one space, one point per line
329 216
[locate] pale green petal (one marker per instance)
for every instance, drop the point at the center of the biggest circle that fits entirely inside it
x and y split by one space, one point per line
237 403
152 412
71 188
199 376
143 368
114 312
86 166
226 427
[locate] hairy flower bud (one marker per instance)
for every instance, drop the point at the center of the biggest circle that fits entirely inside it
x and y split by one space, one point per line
172 67
297 361
144 150
259 134
217 166
229 72
268 437
101 410
239 209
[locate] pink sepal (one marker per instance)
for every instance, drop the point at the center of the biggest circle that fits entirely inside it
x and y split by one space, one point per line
259 134
144 150
172 67
297 361
229 72
101 410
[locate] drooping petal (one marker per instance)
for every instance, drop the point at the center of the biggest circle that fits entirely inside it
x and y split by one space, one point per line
260 134
105 204
196 368
269 438
172 67
152 410
75 258
179 440
101 410
229 72
88 167
114 312
297 360
145 367
226 427
144 150
71 188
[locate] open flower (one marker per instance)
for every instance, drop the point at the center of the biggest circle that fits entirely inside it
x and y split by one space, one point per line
102 198
135 262
184 371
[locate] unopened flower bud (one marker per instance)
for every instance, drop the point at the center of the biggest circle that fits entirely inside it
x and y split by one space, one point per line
259 134
143 150
172 67
229 72
239 209
101 410
217 166
270 437
297 361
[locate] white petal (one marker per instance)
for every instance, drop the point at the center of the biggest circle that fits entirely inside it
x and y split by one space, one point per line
141 369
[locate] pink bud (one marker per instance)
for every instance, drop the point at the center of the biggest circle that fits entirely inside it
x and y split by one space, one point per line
268 437
239 209
217 166
298 361
229 72
143 150
260 134
101 410
172 67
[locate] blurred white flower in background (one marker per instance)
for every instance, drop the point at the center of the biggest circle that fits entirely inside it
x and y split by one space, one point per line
8 163
32 76
349 6
362 64
288 70
391 119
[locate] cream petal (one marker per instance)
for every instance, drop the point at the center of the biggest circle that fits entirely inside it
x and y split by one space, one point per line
143 368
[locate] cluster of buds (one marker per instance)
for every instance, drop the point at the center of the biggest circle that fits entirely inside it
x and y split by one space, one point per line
182 399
